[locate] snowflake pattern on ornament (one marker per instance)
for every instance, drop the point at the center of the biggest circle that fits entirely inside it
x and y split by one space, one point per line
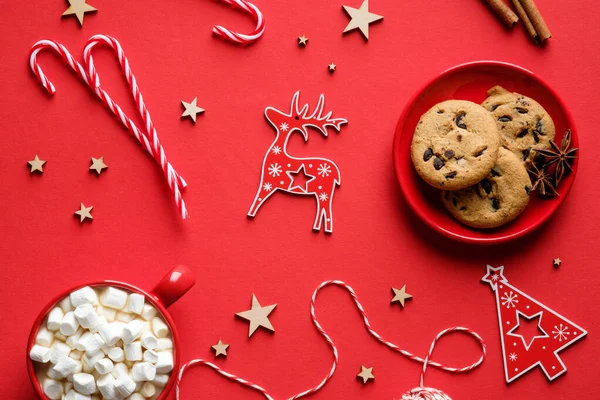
267 187
284 126
324 170
561 332
323 197
512 356
509 299
275 169
276 150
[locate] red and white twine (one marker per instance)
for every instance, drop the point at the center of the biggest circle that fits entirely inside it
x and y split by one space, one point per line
148 138
241 38
421 392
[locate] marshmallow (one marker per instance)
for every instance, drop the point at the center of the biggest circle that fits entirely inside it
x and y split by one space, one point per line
125 385
84 383
83 339
104 366
124 316
76 354
111 332
108 313
72 340
160 329
59 336
135 303
69 324
148 312
53 389
78 369
54 319
149 341
87 317
133 351
73 395
91 360
136 396
85 295
120 369
151 356
63 368
148 389
143 371
164 344
160 380
113 298
101 322
44 337
132 331
59 350
65 305
106 386
40 354
93 344
164 364
116 354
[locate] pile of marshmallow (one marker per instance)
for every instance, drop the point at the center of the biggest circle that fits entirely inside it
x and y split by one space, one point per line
103 343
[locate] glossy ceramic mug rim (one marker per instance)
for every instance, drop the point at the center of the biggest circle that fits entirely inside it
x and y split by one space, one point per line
154 300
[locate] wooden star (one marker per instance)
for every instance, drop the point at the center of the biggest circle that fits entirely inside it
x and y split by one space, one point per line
84 212
557 261
191 109
361 18
79 8
220 349
98 165
366 374
258 316
332 67
400 295
302 40
36 164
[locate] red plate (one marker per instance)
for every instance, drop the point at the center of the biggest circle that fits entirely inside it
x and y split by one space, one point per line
470 82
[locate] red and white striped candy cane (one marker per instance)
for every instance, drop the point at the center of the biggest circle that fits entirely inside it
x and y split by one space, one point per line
431 393
154 147
241 38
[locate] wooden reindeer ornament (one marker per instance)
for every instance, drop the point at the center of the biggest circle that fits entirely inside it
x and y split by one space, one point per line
313 176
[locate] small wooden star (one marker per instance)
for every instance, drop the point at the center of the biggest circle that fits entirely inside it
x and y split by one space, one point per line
36 164
191 109
332 67
220 349
79 8
98 165
361 18
400 295
557 261
366 374
258 316
84 212
302 40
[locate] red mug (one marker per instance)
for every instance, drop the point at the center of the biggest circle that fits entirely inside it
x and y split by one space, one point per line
170 288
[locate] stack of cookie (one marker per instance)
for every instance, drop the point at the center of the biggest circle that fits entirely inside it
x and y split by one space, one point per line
478 154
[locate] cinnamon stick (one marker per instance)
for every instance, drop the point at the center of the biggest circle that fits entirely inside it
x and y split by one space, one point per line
506 15
525 20
536 19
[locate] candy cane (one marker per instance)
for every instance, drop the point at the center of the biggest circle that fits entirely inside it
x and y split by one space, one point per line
240 38
154 148
431 393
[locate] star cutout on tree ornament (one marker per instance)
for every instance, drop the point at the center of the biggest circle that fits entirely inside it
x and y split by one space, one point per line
300 180
557 261
220 349
361 18
79 8
84 212
332 67
302 40
98 165
258 316
366 374
539 332
400 295
36 164
191 109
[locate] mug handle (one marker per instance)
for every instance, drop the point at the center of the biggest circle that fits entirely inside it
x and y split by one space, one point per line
174 285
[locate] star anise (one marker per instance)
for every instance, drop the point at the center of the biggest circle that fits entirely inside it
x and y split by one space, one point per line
563 157
541 181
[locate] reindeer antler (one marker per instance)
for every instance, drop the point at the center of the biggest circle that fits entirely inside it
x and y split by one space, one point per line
317 120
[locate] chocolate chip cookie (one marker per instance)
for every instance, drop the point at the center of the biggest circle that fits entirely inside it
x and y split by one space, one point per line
455 144
497 199
523 123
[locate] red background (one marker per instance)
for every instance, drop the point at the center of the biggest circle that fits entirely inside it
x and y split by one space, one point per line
377 242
